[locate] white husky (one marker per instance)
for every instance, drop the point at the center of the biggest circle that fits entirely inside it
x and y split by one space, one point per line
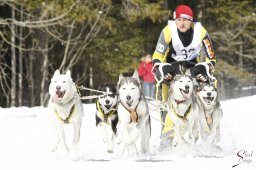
133 115
211 114
65 108
183 110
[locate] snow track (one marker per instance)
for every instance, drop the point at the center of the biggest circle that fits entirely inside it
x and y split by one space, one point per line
26 137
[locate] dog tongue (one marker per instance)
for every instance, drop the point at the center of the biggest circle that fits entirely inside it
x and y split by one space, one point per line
129 102
55 98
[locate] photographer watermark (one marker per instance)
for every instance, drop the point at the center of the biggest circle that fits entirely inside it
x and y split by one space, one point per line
244 157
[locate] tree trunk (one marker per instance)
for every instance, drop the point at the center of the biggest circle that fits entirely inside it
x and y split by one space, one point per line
44 94
240 59
20 95
13 61
39 67
30 79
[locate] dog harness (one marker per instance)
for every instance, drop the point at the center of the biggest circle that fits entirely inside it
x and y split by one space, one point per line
133 113
184 118
67 120
105 116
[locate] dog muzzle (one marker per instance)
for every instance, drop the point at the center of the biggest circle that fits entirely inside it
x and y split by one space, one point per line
58 96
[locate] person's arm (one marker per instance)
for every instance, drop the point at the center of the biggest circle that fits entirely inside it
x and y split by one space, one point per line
142 69
207 44
162 45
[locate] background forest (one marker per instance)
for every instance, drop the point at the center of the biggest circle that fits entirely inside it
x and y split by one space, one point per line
99 39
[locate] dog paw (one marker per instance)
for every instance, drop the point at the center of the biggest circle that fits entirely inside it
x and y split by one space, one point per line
131 149
105 139
54 148
63 154
63 148
129 142
118 139
73 155
110 150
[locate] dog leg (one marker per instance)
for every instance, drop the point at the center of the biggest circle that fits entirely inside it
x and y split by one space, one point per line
217 136
191 136
55 146
76 137
125 133
177 137
130 147
103 132
145 136
130 150
118 135
213 132
110 143
62 145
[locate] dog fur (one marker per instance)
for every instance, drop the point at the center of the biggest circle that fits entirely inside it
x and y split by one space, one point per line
211 114
65 108
106 114
183 110
133 115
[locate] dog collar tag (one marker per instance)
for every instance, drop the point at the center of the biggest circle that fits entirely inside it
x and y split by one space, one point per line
185 120
66 121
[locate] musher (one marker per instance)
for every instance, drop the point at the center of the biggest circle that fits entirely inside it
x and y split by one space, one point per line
181 40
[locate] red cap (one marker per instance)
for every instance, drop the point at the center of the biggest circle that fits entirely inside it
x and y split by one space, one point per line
183 11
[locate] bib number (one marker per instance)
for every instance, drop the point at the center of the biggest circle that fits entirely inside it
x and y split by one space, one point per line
186 54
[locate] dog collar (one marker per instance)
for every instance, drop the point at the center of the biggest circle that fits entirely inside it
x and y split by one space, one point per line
67 120
105 116
179 101
184 118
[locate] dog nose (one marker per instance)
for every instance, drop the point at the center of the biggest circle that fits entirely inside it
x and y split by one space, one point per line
187 87
128 97
209 94
107 101
58 87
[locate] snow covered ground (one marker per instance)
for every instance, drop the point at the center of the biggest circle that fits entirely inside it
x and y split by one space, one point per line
26 136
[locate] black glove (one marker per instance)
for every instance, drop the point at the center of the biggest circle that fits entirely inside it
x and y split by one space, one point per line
157 74
199 69
167 69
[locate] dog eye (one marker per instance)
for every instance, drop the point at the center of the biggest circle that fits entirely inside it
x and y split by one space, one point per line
55 81
111 95
181 81
64 81
124 88
133 88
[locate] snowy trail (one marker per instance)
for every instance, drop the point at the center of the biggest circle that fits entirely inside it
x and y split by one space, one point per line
27 136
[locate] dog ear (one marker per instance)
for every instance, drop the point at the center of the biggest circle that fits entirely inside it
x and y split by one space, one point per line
136 75
121 77
56 73
68 73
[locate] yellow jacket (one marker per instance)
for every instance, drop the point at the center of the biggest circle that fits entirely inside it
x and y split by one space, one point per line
166 52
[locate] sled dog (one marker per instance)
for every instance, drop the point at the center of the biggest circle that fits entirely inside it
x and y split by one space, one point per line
183 110
211 114
106 114
133 115
65 108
